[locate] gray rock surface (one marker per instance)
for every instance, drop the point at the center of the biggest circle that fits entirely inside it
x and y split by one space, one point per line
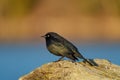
67 70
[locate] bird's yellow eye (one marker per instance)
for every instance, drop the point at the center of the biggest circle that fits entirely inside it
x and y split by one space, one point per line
48 35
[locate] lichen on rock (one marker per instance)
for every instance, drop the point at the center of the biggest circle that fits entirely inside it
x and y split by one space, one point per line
67 70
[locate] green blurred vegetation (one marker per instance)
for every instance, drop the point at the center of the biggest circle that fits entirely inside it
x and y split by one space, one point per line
91 19
92 7
16 7
99 6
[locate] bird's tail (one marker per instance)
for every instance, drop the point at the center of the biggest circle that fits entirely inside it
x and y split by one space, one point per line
86 60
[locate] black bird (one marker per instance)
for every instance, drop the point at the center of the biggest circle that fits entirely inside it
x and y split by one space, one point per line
59 46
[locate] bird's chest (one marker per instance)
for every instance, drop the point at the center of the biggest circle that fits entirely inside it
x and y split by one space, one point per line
57 48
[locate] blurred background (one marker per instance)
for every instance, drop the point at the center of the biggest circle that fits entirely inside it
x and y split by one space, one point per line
92 25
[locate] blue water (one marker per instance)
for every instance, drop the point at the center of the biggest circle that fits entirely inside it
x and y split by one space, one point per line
19 59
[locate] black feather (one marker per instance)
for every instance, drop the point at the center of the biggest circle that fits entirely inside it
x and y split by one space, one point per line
60 46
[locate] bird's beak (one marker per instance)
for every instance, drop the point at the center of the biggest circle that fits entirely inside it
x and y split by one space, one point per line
43 36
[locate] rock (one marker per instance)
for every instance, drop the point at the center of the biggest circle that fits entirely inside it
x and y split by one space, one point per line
67 70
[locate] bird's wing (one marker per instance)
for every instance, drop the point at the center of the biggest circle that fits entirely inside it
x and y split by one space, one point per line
63 42
72 48
67 44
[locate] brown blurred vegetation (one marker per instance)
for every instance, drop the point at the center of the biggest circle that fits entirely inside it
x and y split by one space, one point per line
82 19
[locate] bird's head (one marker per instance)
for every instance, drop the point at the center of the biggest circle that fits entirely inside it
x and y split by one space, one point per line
51 35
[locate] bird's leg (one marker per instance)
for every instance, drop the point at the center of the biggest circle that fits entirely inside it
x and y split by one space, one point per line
60 58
